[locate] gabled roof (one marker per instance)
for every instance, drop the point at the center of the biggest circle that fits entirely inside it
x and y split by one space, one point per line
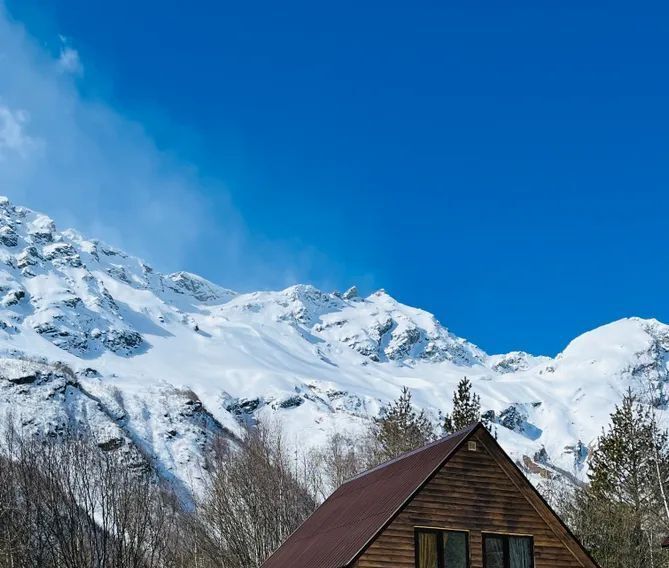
342 527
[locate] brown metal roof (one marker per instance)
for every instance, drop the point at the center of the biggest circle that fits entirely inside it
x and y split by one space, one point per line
665 542
334 535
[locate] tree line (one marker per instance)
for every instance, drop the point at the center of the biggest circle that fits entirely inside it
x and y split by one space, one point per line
65 502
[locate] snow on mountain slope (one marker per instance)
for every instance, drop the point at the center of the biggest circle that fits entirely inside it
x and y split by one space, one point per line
163 363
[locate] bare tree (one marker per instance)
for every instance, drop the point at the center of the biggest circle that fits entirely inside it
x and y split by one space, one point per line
253 501
343 456
67 503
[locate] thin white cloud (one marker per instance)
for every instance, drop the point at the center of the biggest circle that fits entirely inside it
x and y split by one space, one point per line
14 139
91 168
95 169
69 61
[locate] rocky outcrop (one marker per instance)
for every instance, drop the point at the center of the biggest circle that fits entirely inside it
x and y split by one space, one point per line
513 362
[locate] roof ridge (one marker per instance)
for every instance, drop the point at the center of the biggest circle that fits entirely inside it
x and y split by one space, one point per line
404 455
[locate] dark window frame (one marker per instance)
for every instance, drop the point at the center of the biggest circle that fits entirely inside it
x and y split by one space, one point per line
505 540
440 543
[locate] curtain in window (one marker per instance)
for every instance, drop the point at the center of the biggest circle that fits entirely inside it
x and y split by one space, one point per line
455 550
520 552
494 552
427 550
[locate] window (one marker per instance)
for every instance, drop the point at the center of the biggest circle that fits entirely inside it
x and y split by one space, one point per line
503 551
441 549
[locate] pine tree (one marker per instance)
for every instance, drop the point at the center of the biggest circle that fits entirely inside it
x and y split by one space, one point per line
622 514
466 408
400 428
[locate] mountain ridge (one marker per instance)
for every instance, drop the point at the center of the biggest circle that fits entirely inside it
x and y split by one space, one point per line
163 363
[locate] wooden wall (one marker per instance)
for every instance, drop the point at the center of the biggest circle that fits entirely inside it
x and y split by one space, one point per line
477 493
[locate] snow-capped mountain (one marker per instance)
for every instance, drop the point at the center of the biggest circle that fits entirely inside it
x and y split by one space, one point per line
157 365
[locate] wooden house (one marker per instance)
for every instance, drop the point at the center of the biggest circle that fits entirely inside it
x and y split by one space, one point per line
459 502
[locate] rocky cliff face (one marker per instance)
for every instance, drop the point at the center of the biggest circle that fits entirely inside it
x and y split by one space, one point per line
160 364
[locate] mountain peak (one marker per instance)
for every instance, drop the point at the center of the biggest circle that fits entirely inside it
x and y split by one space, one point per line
351 293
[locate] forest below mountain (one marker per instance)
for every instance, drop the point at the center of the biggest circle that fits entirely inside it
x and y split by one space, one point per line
65 501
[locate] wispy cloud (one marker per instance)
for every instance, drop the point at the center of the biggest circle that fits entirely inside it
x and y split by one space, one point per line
90 167
83 162
69 60
15 142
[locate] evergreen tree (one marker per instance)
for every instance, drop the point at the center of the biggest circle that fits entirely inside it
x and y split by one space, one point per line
622 514
400 428
466 408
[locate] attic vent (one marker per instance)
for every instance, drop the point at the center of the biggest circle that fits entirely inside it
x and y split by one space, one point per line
471 446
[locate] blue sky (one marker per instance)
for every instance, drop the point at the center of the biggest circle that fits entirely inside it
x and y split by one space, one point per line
503 166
